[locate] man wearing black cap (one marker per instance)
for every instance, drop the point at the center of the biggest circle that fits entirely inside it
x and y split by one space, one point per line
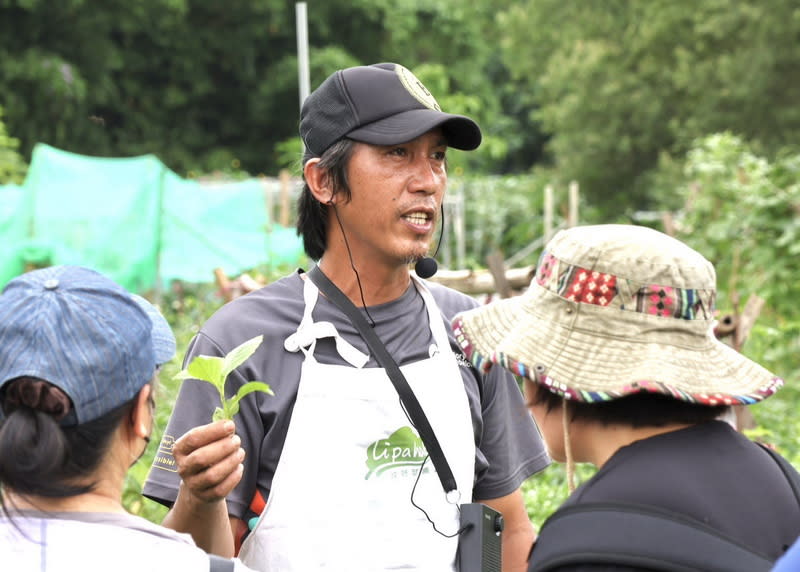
345 477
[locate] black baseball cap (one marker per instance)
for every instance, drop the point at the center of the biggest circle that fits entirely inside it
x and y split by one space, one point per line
381 104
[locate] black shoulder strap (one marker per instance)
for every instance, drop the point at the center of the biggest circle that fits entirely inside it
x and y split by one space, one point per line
638 536
409 400
219 564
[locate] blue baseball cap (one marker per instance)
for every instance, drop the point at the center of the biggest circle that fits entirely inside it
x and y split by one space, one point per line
83 333
163 338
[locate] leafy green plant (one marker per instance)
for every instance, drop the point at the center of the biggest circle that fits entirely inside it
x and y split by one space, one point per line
12 165
215 370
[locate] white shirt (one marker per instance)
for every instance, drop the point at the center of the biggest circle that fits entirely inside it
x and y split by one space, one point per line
96 542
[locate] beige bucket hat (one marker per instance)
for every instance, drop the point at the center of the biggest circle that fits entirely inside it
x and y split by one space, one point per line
615 310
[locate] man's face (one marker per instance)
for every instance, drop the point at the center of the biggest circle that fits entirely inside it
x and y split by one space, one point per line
396 193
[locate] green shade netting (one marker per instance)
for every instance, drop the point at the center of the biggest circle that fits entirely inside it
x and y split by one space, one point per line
136 221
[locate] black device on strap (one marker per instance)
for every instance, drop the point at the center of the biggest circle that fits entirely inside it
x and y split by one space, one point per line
407 397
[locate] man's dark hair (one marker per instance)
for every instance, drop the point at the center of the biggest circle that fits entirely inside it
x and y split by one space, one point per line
642 409
312 222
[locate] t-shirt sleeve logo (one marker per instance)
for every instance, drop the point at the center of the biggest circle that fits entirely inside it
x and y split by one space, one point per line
164 459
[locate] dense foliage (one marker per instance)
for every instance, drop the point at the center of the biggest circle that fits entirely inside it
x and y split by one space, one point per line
621 82
12 165
606 89
741 211
206 84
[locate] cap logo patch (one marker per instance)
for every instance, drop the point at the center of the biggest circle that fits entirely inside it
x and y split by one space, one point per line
416 88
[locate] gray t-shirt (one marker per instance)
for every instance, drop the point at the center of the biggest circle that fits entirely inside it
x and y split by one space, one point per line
508 445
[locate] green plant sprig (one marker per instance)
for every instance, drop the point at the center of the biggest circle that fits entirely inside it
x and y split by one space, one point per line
215 370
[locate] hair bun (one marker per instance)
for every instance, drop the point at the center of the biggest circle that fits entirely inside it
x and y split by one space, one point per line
39 395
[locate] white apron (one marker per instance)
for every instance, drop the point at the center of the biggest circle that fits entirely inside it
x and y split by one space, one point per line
341 497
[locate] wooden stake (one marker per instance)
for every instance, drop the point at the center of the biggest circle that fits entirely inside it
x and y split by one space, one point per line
285 194
572 219
498 269
548 213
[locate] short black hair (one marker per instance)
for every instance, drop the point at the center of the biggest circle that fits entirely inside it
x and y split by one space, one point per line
643 409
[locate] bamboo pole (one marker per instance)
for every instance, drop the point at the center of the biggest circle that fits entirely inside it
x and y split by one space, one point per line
572 219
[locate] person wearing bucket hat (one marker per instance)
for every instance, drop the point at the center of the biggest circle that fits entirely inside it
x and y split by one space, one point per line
375 175
78 362
614 341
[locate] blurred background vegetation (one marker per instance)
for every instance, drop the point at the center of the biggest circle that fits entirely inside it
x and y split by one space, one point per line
683 107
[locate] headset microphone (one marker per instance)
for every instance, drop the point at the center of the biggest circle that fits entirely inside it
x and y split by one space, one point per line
427 266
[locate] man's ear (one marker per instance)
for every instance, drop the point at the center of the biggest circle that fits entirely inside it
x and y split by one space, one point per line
318 182
142 414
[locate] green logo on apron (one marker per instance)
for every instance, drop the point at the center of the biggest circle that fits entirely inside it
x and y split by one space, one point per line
403 448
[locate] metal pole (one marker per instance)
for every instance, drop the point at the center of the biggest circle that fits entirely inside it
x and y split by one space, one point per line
302 51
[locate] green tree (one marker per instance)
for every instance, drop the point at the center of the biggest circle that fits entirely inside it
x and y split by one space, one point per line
620 82
207 85
12 166
741 211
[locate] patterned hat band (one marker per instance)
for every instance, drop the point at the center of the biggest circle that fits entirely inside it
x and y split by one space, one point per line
585 286
538 374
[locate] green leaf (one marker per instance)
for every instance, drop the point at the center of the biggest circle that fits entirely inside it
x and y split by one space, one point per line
215 371
252 386
247 388
207 368
238 355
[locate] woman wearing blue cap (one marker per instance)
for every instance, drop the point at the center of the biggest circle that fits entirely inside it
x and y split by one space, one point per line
78 358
